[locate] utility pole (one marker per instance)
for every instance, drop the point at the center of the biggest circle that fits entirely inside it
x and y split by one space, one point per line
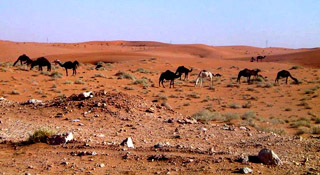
266 43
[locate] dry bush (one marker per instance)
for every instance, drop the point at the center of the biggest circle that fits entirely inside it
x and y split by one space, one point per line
206 116
40 135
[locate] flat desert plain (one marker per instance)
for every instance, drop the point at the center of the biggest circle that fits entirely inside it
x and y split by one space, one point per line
180 130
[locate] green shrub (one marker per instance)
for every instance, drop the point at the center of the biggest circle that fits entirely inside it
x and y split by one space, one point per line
206 116
249 115
78 82
40 135
128 88
296 67
100 75
234 106
316 130
56 75
123 75
228 117
68 82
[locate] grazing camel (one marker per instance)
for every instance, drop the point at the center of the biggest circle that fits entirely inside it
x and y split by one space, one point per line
168 75
42 61
261 58
183 70
247 73
69 65
204 74
22 58
285 74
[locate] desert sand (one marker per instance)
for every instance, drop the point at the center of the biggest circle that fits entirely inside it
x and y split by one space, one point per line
248 117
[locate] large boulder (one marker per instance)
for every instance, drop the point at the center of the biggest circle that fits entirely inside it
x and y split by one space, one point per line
268 157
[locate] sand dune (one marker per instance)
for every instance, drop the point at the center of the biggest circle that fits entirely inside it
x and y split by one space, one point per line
112 51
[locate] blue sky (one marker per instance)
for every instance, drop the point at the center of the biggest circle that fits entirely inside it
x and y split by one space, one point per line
284 23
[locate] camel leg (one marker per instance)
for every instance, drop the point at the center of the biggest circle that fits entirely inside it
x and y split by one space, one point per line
67 72
196 82
201 80
287 80
162 84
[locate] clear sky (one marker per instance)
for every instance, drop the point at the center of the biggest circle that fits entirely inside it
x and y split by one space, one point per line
284 23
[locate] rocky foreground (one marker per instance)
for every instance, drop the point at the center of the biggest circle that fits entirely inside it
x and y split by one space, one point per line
117 133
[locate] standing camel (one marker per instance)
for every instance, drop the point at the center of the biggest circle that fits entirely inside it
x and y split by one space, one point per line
261 58
204 74
42 61
168 75
285 74
247 73
69 65
183 70
22 58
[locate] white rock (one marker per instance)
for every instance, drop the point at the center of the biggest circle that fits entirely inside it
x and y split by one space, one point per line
85 95
33 101
127 142
246 170
60 138
2 98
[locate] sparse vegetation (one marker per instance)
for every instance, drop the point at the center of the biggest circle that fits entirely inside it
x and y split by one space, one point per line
206 116
316 130
100 75
78 82
56 75
123 75
234 106
296 67
40 135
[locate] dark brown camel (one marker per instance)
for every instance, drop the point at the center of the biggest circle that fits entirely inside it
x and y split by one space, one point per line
248 73
168 75
261 58
285 74
22 58
183 70
69 65
252 59
42 61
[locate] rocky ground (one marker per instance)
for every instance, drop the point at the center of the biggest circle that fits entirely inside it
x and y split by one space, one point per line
165 142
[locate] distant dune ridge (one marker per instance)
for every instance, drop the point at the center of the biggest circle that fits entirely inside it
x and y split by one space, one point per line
114 51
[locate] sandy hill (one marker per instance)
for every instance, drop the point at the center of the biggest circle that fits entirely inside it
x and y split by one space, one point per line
112 51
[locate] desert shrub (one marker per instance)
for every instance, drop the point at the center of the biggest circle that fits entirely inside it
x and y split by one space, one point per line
269 129
250 89
166 104
162 97
142 82
317 120
68 82
206 116
186 104
141 70
173 96
296 67
249 115
301 131
234 106
288 109
40 135
247 105
78 82
56 75
193 95
100 75
300 123
123 75
228 117
316 130
128 88
15 92
45 73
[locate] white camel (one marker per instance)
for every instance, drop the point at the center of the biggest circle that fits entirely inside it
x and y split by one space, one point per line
204 74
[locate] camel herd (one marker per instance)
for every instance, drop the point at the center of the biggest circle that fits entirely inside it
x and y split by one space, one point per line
42 61
167 75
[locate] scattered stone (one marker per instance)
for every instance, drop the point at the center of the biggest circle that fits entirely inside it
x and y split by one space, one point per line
59 115
101 165
33 101
80 124
64 163
60 138
150 110
2 98
268 157
244 159
160 145
76 120
85 95
243 128
157 158
245 170
127 142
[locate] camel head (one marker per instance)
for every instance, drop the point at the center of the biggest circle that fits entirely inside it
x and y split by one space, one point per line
57 61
